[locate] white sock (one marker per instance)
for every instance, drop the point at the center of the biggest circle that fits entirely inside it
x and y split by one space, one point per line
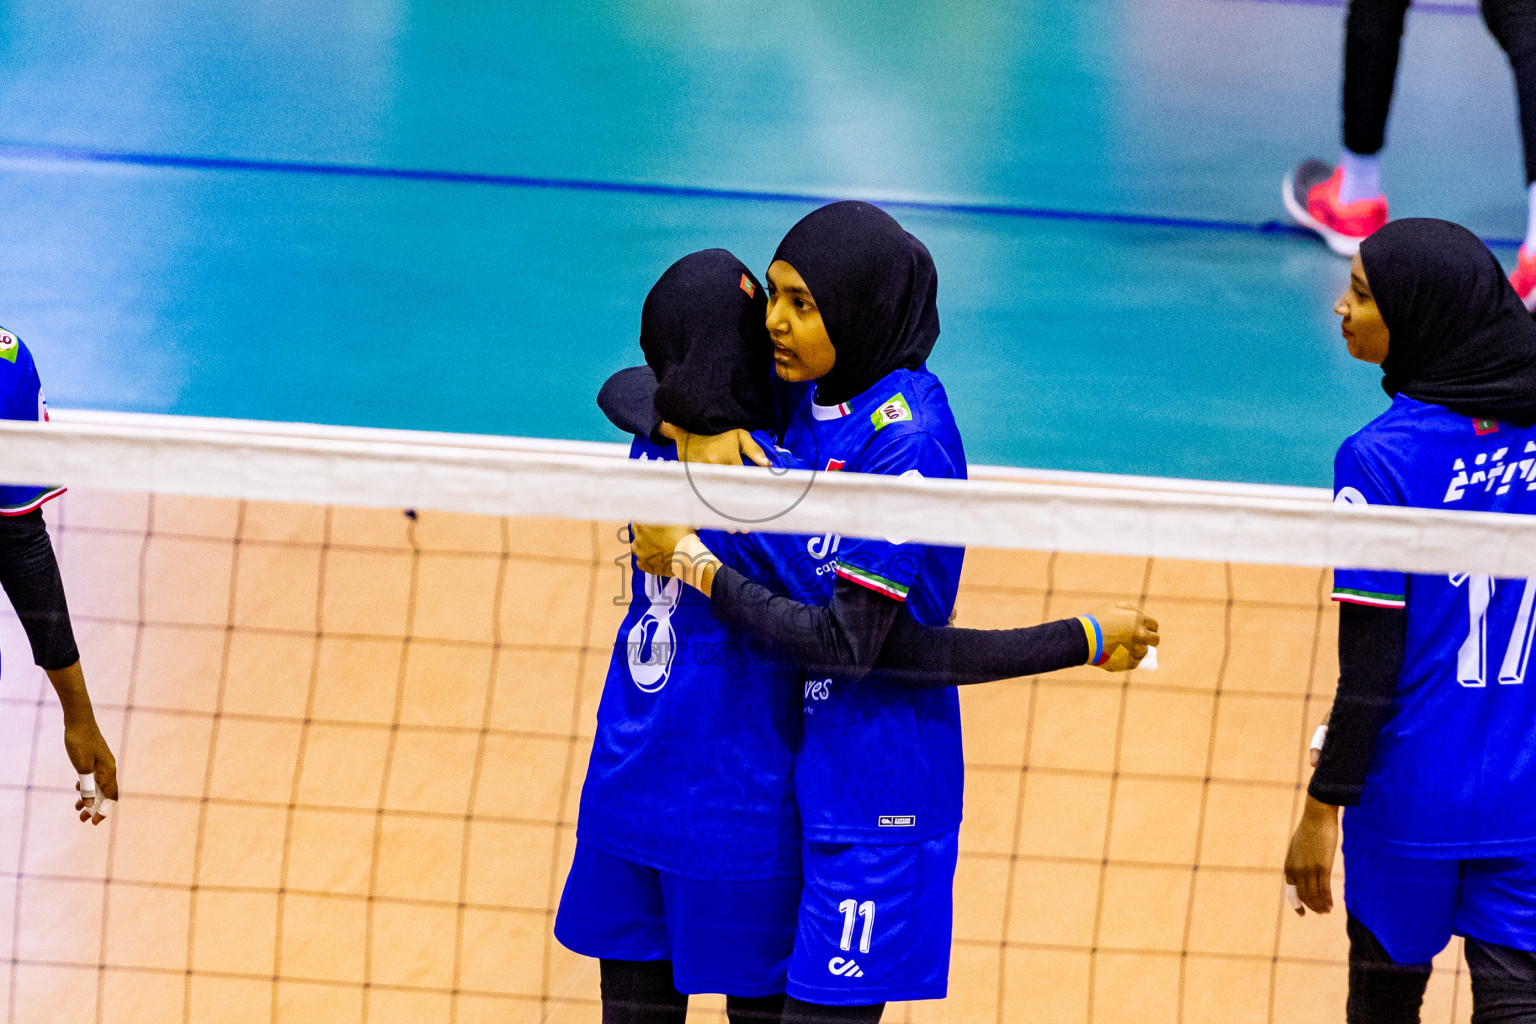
1362 176
1530 219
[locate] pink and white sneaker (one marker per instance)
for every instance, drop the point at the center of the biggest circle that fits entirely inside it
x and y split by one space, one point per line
1524 278
1311 197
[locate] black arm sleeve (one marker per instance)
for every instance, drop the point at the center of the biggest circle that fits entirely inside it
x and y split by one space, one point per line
844 637
1371 642
861 630
29 572
951 656
628 400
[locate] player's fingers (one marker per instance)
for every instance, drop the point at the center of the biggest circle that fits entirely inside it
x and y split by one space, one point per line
752 450
106 779
1148 636
1317 898
1303 883
1150 623
1324 887
1138 651
1120 660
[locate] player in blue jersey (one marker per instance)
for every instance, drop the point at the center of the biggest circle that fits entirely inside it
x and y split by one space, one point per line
880 774
29 573
687 837
687 869
1431 738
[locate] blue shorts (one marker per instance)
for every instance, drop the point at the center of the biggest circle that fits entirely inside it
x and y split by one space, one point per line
875 922
721 936
1413 905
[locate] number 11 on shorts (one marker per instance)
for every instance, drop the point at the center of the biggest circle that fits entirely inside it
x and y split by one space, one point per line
852 910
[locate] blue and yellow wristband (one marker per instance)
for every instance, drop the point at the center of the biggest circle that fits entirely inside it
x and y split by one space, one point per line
1097 655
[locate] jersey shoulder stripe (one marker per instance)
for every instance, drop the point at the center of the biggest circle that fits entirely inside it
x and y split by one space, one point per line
1348 595
874 581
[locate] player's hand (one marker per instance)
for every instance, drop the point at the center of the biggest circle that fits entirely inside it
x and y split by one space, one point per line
1309 861
654 547
89 753
1128 634
727 449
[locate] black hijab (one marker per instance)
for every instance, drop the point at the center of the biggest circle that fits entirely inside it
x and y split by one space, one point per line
702 332
876 288
1459 335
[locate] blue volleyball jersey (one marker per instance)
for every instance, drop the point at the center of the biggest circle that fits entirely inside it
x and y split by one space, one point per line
692 767
1453 774
21 398
878 762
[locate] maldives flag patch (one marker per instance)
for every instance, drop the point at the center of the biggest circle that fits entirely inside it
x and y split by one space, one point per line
748 287
1485 427
833 465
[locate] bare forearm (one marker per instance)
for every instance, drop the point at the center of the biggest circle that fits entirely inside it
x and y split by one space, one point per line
74 698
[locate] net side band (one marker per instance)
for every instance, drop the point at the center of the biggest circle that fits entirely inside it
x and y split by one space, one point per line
522 480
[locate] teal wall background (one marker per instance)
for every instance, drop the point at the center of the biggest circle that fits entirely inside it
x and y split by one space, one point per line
145 280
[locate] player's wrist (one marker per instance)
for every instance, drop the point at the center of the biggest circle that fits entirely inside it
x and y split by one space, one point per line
1316 810
695 562
1098 652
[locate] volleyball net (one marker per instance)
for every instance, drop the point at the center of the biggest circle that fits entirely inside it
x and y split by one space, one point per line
351 680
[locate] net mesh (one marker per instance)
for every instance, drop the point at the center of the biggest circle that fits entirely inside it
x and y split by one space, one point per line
351 743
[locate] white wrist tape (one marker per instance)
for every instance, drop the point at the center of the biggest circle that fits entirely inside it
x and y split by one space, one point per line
1291 897
1320 735
1149 663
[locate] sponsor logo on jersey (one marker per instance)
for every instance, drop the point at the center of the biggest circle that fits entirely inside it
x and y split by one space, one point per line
1485 427
894 410
747 286
845 968
821 547
898 821
9 346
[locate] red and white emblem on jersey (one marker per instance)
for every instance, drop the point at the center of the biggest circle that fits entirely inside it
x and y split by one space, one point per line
1481 427
834 464
748 287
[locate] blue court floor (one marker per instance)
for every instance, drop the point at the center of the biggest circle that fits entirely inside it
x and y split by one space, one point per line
445 216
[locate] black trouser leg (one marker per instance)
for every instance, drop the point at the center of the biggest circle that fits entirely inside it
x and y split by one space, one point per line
641 992
796 1012
1503 984
1373 34
1381 991
1513 24
762 1010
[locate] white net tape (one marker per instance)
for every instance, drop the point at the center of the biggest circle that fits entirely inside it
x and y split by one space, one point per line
514 477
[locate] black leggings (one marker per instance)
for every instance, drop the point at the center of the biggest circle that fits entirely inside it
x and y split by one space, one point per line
1382 991
1373 33
642 992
